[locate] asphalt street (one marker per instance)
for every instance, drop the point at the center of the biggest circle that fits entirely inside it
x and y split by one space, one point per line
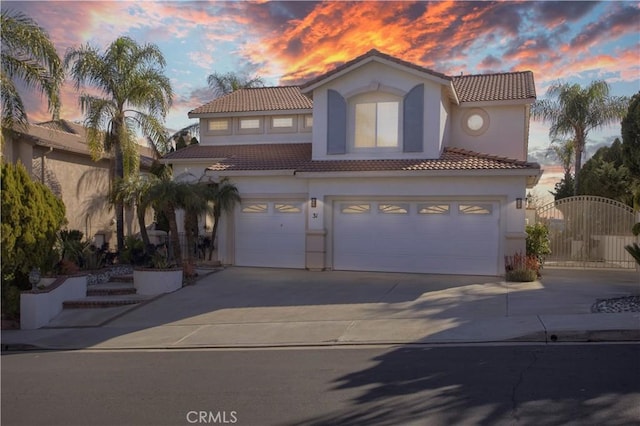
517 384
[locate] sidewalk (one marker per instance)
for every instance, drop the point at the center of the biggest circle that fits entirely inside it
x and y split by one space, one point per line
257 307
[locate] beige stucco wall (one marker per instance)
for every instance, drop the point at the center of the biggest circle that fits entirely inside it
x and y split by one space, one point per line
83 186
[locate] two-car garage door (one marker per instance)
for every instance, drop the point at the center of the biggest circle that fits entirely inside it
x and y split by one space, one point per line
434 237
447 237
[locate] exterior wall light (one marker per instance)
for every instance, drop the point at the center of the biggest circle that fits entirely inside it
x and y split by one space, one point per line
314 202
518 203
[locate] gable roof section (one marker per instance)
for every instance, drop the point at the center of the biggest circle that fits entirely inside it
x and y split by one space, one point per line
509 86
495 87
367 57
297 156
283 98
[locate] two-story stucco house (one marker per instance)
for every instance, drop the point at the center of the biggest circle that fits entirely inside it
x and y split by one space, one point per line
377 165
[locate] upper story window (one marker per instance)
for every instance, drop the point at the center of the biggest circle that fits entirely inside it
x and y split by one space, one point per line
375 120
249 123
282 122
218 125
475 121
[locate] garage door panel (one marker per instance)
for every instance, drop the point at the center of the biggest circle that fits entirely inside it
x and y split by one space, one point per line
271 234
436 237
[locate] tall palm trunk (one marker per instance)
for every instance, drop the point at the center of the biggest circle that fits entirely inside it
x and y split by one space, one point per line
214 230
578 163
170 211
140 213
191 231
119 174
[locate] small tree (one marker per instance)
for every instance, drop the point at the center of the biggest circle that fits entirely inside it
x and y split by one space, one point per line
166 195
31 216
225 196
131 192
537 242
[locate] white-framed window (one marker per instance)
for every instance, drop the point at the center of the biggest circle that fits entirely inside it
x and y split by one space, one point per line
282 122
355 208
375 121
287 207
255 208
475 121
249 123
433 208
218 125
481 209
308 121
399 208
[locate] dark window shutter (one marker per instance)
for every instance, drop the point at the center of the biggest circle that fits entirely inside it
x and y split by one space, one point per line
413 122
336 123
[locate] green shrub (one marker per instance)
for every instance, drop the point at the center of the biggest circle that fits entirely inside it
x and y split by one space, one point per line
537 242
31 217
521 275
134 252
10 301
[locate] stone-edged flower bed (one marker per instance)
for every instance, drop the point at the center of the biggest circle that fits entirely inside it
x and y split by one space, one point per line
618 304
104 275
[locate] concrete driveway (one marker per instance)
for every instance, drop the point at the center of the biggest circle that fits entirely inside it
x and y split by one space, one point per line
260 306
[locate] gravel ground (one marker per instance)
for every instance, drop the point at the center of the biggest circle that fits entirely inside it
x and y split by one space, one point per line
619 304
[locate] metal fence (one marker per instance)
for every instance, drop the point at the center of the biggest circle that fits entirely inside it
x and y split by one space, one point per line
588 232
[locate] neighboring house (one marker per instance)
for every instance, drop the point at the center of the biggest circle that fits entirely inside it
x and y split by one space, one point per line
378 165
56 153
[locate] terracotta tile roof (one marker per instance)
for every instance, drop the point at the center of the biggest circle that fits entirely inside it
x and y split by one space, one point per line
451 159
65 135
282 156
369 54
468 88
297 156
257 99
495 87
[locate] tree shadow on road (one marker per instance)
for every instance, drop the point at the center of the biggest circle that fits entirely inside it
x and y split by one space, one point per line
502 385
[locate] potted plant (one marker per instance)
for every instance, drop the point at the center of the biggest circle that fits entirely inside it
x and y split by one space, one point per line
160 276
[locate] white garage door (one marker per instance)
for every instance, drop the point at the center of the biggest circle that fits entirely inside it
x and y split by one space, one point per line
434 237
271 234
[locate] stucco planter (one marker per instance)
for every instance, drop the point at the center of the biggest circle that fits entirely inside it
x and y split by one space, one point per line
149 281
38 307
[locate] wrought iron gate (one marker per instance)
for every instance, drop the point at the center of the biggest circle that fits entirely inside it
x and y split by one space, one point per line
588 232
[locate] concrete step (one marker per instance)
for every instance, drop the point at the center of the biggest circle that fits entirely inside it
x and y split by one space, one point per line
104 301
111 289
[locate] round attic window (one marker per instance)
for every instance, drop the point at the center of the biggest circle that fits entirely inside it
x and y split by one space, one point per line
475 121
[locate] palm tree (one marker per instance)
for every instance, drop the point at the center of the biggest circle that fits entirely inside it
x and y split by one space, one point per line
30 57
223 84
564 151
136 96
575 111
224 196
166 195
195 200
131 192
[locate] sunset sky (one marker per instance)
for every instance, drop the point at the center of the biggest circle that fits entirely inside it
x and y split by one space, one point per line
289 42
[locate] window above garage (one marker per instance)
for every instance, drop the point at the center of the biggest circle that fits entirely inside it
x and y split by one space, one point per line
375 121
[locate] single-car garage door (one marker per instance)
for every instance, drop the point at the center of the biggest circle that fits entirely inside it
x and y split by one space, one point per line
271 234
434 237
